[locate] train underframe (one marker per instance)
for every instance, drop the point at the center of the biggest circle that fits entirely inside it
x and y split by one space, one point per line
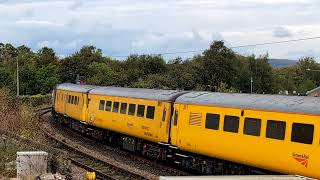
163 152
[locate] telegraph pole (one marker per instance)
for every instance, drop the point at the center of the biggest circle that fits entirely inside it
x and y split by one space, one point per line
18 77
251 81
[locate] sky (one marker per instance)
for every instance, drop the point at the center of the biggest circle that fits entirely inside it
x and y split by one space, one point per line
124 27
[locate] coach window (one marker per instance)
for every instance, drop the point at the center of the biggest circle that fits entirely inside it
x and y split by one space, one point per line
231 124
302 133
175 118
101 105
69 99
123 108
115 107
252 126
108 106
276 129
140 111
132 109
150 112
212 121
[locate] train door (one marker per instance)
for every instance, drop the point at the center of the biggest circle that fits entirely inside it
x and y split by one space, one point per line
65 101
89 108
164 124
174 126
83 105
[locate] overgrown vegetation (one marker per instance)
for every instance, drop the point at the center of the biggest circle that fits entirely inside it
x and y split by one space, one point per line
216 69
8 154
16 116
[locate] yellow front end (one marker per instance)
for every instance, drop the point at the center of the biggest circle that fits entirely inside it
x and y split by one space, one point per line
71 104
190 134
153 128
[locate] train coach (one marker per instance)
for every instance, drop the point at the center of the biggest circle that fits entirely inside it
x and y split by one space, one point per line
213 133
277 133
136 119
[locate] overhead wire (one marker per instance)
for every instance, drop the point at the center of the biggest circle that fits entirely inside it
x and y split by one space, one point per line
232 47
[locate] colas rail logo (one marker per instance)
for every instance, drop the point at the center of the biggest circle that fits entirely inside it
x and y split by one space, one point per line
301 158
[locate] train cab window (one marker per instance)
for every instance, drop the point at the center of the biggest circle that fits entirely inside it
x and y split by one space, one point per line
132 109
212 121
101 105
252 126
140 111
115 107
76 100
108 106
276 129
150 112
175 118
231 124
302 133
72 99
123 108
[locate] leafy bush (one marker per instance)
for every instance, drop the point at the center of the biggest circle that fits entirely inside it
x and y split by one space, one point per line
15 116
36 100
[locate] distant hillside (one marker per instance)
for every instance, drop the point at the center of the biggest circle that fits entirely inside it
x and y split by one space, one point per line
279 63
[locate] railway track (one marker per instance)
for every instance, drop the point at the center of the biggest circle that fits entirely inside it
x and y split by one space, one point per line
89 162
94 161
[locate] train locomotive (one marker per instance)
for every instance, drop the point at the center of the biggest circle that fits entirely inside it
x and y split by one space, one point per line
208 132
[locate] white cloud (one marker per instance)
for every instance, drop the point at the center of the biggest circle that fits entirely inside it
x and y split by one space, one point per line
146 26
37 23
51 44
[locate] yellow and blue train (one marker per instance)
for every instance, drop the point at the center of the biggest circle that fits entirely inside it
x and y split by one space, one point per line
212 133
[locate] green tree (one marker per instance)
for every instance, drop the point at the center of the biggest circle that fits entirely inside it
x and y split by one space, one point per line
46 56
46 78
217 64
78 63
261 72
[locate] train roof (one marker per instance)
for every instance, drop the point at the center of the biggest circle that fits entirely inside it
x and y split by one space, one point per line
152 94
293 104
75 87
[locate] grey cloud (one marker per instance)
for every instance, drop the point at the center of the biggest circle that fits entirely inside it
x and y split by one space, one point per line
29 13
76 4
281 32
